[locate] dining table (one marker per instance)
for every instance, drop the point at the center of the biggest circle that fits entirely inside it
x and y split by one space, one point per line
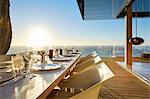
39 86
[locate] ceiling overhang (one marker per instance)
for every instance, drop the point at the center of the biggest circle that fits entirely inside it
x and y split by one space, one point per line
112 9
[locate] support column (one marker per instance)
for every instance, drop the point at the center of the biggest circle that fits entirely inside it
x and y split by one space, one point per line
128 35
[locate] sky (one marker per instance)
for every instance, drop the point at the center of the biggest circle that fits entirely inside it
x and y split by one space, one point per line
59 22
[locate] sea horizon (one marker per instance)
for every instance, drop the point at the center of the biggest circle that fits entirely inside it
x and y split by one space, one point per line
103 51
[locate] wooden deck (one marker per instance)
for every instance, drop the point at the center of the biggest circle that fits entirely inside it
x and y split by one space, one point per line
124 85
134 59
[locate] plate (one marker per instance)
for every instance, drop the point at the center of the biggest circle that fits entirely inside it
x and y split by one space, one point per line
43 67
69 55
76 53
61 59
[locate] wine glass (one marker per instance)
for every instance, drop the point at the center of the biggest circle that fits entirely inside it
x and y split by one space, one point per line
55 53
42 54
17 65
30 58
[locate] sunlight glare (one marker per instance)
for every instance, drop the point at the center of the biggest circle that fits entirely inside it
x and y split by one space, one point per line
39 37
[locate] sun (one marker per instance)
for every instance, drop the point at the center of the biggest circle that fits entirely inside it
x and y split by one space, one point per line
38 37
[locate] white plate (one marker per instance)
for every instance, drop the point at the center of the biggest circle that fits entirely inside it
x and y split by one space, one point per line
69 55
76 53
61 59
46 66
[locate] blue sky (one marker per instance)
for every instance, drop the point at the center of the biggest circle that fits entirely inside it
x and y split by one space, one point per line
62 21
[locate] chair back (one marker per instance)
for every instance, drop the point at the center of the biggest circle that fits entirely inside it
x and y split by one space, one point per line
5 58
5 67
102 73
86 64
96 74
90 93
93 54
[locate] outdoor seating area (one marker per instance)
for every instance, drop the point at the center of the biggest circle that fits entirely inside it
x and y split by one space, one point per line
75 75
93 77
48 51
86 74
111 84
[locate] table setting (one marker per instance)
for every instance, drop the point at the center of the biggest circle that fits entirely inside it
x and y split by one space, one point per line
61 58
41 69
16 70
55 61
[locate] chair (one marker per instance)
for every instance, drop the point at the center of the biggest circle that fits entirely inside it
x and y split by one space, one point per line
5 58
86 79
98 91
5 68
88 82
93 54
90 93
86 64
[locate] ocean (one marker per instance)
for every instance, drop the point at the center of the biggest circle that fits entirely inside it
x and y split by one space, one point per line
103 51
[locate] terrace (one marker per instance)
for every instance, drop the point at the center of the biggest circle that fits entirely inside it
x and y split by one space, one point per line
77 73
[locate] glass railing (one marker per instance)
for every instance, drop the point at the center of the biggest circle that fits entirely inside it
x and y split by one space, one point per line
102 51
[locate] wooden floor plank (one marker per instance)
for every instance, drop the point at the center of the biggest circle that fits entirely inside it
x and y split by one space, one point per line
124 84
